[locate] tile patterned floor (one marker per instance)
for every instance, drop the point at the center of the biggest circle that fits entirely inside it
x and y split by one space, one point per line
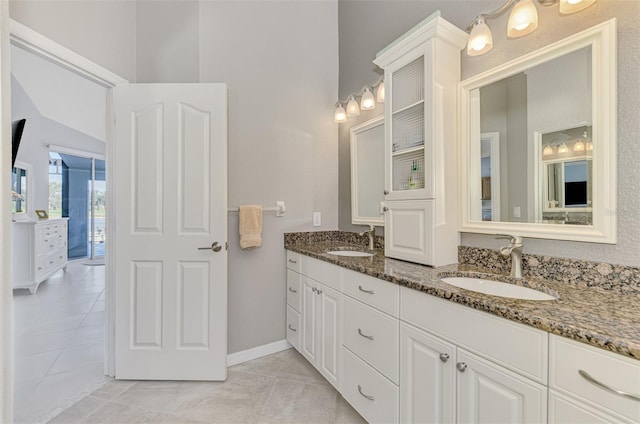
59 347
279 388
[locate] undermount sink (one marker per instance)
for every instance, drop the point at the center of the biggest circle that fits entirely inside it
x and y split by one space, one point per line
497 288
351 253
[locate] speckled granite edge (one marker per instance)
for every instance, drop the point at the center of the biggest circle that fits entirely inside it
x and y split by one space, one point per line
599 275
332 236
604 319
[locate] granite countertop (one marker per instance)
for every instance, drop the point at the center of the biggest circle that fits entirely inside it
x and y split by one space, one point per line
603 319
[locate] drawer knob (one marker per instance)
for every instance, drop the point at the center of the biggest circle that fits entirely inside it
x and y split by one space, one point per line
292 290
291 328
461 366
365 396
292 261
366 291
386 192
313 289
444 357
364 335
385 209
319 291
592 380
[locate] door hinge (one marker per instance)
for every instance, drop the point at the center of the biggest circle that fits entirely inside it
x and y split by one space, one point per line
226 245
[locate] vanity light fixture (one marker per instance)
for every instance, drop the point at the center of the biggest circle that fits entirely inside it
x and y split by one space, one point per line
547 151
350 108
367 102
580 144
589 146
523 20
341 115
563 148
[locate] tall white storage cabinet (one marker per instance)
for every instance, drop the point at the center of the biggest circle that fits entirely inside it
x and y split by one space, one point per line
39 250
421 70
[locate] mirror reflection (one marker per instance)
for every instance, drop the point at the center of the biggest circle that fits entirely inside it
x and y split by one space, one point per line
367 172
533 151
18 190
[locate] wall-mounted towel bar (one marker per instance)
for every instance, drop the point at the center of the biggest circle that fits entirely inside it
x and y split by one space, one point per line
279 209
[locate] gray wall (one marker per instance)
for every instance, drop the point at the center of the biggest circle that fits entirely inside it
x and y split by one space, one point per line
368 26
101 30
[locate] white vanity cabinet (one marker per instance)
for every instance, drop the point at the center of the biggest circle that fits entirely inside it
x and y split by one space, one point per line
588 384
294 300
39 250
421 70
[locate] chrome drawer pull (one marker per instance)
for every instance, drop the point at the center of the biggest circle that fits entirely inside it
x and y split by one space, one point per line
365 396
444 357
461 366
292 290
291 328
592 380
292 261
364 335
366 291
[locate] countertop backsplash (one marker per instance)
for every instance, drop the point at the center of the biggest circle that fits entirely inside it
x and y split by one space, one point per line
585 274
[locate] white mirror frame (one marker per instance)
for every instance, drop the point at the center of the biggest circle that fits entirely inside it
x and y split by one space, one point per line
355 217
602 40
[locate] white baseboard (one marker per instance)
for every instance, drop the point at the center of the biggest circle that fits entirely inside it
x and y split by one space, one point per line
257 352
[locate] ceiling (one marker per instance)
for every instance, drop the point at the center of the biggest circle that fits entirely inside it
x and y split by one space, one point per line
61 95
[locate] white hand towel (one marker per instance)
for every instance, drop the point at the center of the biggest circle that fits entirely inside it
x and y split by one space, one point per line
250 226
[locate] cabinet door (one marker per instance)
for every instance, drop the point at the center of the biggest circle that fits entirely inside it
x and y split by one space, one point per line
409 126
427 378
408 230
329 328
488 393
309 314
293 327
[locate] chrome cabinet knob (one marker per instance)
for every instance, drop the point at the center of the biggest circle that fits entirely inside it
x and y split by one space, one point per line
444 357
461 366
386 192
319 291
313 289
385 208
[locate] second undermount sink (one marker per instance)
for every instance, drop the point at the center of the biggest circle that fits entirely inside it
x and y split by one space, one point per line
497 288
351 253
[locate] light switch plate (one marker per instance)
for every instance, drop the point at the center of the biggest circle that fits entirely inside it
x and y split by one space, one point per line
317 219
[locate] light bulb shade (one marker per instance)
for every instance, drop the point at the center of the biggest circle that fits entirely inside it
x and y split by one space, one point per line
547 151
480 39
341 115
380 93
523 19
367 102
573 6
579 146
563 148
589 146
352 108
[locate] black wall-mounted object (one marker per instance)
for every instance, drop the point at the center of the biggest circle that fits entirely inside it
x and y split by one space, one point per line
17 127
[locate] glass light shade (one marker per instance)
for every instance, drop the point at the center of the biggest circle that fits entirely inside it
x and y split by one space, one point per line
579 146
563 148
341 115
380 93
547 151
480 40
352 107
573 6
523 19
367 102
589 146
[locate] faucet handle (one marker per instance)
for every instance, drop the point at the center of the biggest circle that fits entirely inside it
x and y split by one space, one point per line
515 240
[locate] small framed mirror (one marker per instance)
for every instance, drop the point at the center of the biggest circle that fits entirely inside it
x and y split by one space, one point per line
538 142
367 172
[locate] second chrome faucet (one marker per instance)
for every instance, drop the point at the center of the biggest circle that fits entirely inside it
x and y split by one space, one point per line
513 249
371 233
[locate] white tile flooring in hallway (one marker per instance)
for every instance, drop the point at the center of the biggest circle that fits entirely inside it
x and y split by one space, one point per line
58 342
279 388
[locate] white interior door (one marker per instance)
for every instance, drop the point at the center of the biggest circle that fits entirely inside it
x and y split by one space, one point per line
171 201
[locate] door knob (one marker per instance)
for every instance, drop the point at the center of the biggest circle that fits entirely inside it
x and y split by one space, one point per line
215 246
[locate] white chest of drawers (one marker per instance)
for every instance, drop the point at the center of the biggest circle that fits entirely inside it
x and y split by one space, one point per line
39 249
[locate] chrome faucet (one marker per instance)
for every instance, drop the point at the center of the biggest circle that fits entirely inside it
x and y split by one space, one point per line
514 249
370 232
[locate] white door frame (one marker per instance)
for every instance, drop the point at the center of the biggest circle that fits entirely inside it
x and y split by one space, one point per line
24 37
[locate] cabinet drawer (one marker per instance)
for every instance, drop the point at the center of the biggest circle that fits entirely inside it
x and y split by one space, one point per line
372 291
293 290
518 347
568 357
370 393
51 244
373 336
293 328
41 267
564 410
320 271
293 261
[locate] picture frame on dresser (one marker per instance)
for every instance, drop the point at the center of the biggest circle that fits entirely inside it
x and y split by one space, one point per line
42 214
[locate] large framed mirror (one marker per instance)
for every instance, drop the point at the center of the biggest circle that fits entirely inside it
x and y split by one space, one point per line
538 142
367 172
